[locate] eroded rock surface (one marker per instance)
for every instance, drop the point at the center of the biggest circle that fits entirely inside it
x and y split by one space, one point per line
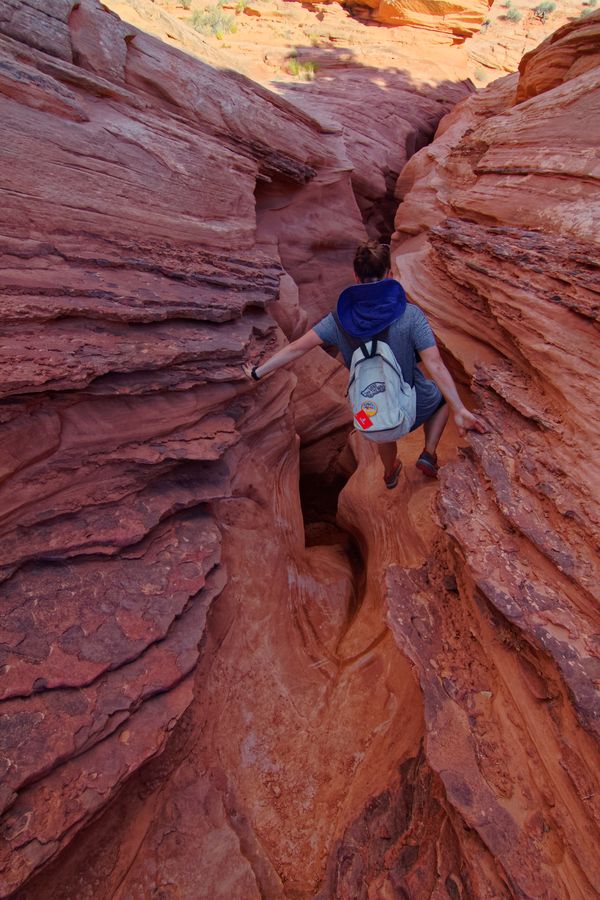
569 52
221 677
498 239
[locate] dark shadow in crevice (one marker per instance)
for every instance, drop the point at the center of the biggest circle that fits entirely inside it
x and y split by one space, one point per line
319 496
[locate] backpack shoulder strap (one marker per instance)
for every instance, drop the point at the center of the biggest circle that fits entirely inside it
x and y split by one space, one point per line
354 342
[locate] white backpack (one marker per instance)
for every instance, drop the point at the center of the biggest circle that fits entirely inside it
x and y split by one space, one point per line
381 400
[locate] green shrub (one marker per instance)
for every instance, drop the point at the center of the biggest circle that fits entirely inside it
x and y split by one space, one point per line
586 12
479 75
241 5
213 20
513 15
305 70
543 10
185 3
507 4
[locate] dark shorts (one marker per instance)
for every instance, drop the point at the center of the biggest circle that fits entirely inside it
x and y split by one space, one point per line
428 405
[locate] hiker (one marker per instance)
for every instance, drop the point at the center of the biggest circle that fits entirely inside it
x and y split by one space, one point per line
377 306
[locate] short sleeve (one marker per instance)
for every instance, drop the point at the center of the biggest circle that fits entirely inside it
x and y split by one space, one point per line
422 334
327 330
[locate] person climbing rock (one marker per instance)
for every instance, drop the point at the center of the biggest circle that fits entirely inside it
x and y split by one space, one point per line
377 305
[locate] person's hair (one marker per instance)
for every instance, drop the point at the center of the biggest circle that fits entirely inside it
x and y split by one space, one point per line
371 261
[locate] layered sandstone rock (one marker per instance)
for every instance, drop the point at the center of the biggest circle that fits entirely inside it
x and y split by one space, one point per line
569 52
384 89
203 696
509 32
133 288
144 479
159 598
461 18
497 239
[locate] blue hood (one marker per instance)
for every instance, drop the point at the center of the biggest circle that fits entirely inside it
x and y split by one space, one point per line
366 309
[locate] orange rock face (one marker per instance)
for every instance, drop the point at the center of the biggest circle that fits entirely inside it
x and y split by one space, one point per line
461 18
508 33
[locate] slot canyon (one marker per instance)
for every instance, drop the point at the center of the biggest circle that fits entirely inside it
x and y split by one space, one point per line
233 665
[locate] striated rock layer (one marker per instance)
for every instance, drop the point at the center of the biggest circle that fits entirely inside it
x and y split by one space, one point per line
459 18
196 699
384 89
497 238
133 286
569 52
200 695
509 33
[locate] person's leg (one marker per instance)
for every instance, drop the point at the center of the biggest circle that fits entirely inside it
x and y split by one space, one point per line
434 428
387 453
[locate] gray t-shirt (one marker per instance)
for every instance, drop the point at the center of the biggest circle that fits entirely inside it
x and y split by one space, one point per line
406 336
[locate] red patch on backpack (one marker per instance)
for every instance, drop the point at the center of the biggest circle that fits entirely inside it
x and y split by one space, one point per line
363 419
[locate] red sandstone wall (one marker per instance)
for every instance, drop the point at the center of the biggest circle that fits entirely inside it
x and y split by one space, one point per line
202 694
497 238
132 290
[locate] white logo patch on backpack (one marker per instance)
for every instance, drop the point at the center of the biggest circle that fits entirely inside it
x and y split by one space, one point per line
381 400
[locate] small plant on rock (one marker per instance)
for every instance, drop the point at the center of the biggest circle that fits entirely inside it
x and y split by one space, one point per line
543 10
479 75
213 20
304 70
513 15
185 3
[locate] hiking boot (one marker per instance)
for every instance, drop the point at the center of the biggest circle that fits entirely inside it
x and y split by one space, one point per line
392 481
427 463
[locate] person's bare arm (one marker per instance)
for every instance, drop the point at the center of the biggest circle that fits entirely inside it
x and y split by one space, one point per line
287 354
437 370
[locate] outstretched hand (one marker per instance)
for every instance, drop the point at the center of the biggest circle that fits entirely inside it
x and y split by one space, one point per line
467 421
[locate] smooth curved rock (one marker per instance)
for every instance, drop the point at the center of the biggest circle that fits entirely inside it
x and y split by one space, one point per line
507 37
